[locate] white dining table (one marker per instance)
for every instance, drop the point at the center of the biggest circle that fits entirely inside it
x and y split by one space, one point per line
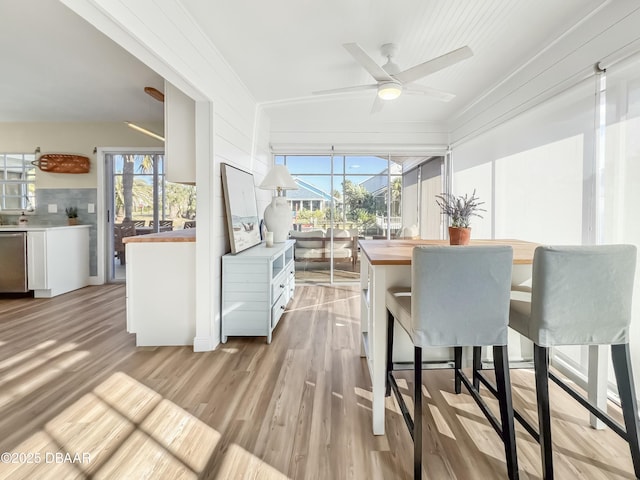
387 263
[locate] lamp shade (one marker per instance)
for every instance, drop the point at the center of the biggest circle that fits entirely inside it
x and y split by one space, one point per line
279 178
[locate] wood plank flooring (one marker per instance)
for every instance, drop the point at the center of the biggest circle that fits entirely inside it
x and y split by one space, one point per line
79 400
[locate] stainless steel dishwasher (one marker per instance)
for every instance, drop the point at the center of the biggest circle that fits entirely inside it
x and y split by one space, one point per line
13 262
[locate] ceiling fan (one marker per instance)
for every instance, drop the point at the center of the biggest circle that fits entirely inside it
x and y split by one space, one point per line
391 81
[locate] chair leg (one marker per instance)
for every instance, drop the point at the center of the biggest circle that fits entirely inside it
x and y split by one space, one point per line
541 364
417 413
457 358
626 389
390 322
477 366
503 386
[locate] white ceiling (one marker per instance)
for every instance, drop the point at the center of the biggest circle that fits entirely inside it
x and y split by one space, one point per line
56 67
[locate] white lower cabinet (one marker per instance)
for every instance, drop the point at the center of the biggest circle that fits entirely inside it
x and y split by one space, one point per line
257 285
161 299
57 260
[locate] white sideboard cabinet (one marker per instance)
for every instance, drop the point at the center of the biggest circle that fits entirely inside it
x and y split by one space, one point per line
257 284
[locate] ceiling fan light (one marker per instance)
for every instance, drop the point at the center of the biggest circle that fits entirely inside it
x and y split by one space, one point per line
389 90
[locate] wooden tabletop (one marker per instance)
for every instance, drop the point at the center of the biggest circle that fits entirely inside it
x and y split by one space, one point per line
186 235
398 252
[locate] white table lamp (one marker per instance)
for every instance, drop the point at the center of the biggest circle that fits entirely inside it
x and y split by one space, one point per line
277 215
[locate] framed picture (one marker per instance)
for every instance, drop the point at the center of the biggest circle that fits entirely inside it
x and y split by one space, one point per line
241 207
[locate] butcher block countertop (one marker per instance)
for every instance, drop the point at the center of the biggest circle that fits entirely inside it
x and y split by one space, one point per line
185 235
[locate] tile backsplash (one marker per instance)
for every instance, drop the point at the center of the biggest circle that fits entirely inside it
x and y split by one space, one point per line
63 198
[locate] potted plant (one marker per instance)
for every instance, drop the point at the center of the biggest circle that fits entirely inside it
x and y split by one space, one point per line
72 215
460 209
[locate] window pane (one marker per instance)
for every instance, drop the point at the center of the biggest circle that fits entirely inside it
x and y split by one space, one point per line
338 164
365 164
17 177
308 164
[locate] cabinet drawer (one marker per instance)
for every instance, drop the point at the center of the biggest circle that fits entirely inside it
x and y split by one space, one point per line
278 286
277 310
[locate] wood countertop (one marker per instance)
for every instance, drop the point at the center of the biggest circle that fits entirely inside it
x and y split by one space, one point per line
185 235
398 252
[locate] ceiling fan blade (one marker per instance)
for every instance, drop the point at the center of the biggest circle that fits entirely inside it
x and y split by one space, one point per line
368 63
431 66
428 91
356 88
378 103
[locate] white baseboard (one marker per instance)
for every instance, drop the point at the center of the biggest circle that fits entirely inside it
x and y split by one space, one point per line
204 344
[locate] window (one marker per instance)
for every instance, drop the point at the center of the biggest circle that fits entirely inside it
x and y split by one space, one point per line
17 182
347 196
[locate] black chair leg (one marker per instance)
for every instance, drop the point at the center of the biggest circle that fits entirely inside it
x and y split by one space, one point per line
457 359
626 389
541 364
417 413
477 366
503 386
390 322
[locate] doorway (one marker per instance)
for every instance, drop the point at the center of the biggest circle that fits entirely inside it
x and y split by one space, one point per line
140 202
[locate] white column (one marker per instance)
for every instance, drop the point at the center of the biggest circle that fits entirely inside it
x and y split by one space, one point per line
207 316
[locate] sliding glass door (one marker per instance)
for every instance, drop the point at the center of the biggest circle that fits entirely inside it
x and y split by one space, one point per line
340 199
140 201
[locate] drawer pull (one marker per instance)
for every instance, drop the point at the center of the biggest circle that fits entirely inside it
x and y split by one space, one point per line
282 307
281 285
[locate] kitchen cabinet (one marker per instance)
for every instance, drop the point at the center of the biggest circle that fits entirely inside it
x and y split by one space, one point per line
257 284
160 289
57 258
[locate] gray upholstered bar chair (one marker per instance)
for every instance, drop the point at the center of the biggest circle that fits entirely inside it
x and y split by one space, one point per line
459 297
579 295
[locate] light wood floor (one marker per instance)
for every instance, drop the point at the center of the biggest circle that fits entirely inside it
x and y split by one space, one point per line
309 272
79 400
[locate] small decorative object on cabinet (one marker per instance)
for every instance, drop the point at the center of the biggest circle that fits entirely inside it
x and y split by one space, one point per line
460 209
72 215
257 284
278 214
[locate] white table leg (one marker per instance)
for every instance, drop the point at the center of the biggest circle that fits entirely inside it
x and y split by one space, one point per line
378 345
597 382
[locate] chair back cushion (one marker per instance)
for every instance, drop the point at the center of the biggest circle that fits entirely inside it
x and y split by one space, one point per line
581 295
460 295
315 235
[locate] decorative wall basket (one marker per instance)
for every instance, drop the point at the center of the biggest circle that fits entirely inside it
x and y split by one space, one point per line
63 163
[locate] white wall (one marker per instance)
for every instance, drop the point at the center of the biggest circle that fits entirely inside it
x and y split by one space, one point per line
77 138
530 172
